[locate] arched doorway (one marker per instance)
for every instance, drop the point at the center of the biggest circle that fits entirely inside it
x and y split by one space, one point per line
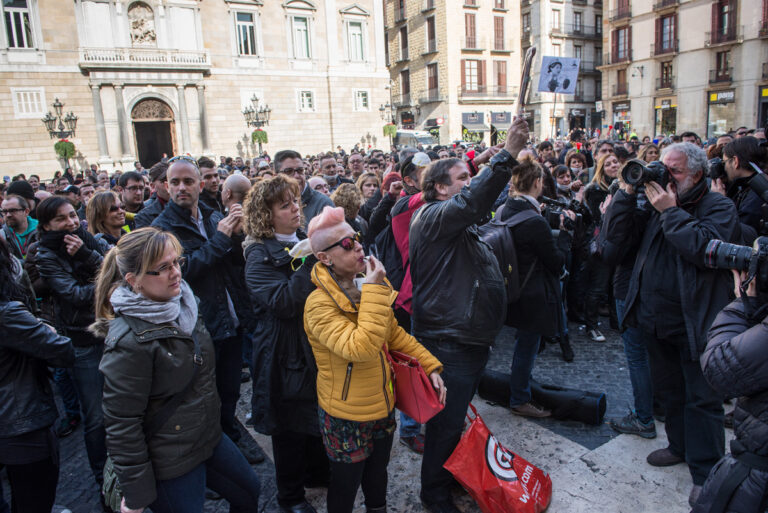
153 131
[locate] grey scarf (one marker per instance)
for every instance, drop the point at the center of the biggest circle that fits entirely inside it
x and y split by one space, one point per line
180 311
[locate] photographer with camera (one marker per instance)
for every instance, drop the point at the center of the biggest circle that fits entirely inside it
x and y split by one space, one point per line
736 365
669 284
734 182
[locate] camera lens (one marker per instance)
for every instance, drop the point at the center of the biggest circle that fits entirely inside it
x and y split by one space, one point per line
632 173
722 255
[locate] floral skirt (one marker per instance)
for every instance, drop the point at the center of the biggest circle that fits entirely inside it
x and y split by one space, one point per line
349 441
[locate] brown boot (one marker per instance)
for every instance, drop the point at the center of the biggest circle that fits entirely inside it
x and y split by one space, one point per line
664 458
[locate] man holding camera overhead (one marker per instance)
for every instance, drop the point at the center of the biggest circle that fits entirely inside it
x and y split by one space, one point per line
673 299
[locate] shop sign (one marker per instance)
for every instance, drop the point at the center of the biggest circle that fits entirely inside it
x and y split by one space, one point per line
666 104
577 112
599 106
501 118
406 118
722 96
471 118
621 106
764 92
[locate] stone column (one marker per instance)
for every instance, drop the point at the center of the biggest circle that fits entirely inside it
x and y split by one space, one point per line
122 122
203 119
98 114
184 121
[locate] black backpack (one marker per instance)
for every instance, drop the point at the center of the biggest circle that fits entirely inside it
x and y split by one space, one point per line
498 235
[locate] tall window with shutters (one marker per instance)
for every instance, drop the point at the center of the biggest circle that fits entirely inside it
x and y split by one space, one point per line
431 43
18 24
498 33
405 86
470 39
472 76
432 83
621 45
666 34
724 18
500 77
246 33
404 44
301 46
355 41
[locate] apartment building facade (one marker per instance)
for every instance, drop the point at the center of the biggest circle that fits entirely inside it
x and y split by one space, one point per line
564 28
677 65
454 66
173 76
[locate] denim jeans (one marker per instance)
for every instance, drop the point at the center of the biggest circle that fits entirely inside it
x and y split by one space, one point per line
598 279
526 348
463 367
248 351
226 472
229 364
89 383
639 370
408 427
62 378
563 315
4 508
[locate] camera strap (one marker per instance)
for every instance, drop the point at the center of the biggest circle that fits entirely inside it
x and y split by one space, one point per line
749 303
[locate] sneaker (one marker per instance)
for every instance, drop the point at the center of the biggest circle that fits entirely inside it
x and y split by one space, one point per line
67 426
531 409
596 336
414 443
251 450
632 425
664 458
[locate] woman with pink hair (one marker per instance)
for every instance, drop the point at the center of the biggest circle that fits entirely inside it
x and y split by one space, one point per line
350 325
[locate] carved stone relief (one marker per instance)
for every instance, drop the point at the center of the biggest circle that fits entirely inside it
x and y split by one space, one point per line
151 110
142 22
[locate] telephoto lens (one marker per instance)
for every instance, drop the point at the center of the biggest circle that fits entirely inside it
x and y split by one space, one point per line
723 255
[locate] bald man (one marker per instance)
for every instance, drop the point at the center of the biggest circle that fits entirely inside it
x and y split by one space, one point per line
234 190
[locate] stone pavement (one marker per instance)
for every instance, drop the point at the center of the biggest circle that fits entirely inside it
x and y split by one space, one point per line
593 469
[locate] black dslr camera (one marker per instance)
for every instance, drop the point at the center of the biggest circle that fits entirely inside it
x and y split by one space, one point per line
716 169
754 260
555 209
637 173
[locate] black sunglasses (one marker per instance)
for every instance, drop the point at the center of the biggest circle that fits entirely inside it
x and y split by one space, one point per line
115 208
347 243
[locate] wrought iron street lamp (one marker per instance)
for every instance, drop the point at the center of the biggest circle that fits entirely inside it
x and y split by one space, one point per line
66 123
257 116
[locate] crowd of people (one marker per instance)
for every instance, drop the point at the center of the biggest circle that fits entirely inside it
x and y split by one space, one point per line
146 298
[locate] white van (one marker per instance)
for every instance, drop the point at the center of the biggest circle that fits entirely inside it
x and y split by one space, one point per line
413 138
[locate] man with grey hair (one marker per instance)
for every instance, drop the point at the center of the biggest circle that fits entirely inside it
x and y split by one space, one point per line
673 299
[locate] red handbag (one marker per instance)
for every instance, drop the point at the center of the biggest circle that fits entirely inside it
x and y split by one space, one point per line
414 394
498 479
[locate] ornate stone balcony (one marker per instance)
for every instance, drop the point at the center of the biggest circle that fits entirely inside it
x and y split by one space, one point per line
144 58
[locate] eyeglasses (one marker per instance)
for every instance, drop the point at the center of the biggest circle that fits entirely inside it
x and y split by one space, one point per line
292 170
10 211
166 268
135 188
185 158
115 208
347 243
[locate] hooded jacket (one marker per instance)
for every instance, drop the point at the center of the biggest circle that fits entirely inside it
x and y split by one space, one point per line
354 379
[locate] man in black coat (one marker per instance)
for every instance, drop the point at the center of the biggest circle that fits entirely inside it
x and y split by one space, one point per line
214 270
459 297
159 199
670 284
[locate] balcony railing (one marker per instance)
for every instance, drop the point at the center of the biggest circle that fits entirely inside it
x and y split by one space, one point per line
621 89
499 45
143 58
719 76
588 67
487 92
399 14
763 32
598 4
665 48
430 46
579 2
583 97
665 83
732 34
765 70
622 12
403 56
427 5
431 95
616 58
404 100
583 30
471 43
660 5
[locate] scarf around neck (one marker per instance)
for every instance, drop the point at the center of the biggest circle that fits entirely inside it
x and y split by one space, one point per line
180 311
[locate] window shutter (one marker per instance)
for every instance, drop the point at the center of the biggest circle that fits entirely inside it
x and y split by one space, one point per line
481 73
674 33
463 74
715 21
615 46
659 34
629 43
732 18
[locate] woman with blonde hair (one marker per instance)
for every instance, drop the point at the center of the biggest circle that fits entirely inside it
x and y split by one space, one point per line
649 153
161 408
351 325
284 400
370 186
106 217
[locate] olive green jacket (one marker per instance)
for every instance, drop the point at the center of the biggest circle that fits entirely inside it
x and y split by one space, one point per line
144 365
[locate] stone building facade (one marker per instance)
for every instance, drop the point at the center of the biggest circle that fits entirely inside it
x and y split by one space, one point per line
677 65
564 28
173 76
454 66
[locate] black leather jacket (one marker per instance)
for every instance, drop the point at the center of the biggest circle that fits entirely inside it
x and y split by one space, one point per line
458 290
27 347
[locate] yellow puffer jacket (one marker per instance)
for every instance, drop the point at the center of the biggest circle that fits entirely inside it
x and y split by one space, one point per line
348 340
